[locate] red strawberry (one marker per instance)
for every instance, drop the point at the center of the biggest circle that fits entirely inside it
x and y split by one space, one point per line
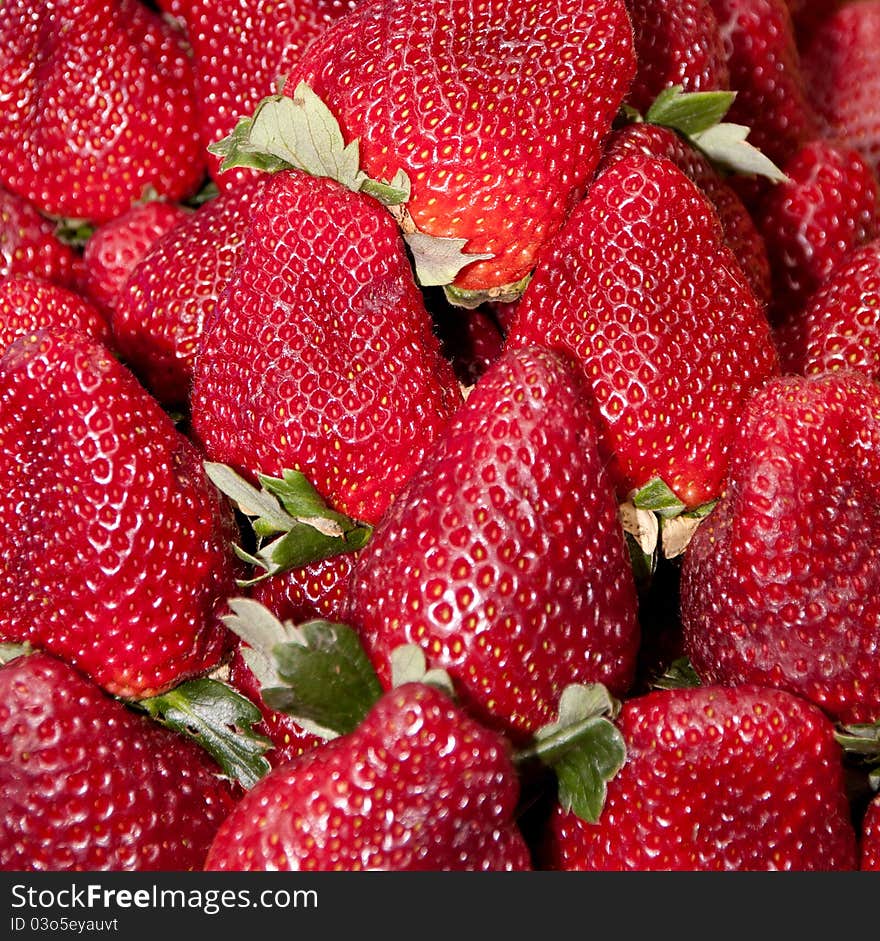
642 290
321 357
115 550
828 206
241 48
765 72
870 842
779 584
717 779
29 245
503 558
89 785
28 304
417 786
840 326
115 248
161 311
496 113
841 64
472 341
96 104
740 231
676 43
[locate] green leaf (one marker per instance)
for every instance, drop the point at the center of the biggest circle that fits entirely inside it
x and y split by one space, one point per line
689 112
409 665
10 652
438 260
219 719
330 678
262 505
395 193
236 151
584 748
302 501
659 498
678 675
726 146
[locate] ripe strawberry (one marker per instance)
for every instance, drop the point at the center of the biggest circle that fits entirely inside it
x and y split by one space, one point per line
740 231
870 842
29 245
765 72
642 290
28 304
839 327
241 48
498 131
96 103
676 43
828 206
841 64
503 558
417 786
161 310
778 585
717 779
320 356
472 341
115 248
115 549
89 785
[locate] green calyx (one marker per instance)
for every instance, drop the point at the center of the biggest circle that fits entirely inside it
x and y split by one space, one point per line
217 718
292 523
504 293
861 745
584 748
697 116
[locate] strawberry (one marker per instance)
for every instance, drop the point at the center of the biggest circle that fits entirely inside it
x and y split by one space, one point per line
676 43
28 304
828 206
716 779
320 357
740 231
841 64
870 841
472 341
115 549
115 248
497 131
839 328
418 785
502 557
240 50
765 72
640 288
161 310
97 102
778 583
87 784
29 244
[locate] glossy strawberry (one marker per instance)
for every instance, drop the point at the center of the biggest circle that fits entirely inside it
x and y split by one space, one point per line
116 247
115 549
417 786
87 784
839 327
503 558
740 231
241 48
870 842
842 70
161 311
766 73
677 43
97 103
778 585
28 304
827 207
641 289
498 130
29 245
717 779
321 356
